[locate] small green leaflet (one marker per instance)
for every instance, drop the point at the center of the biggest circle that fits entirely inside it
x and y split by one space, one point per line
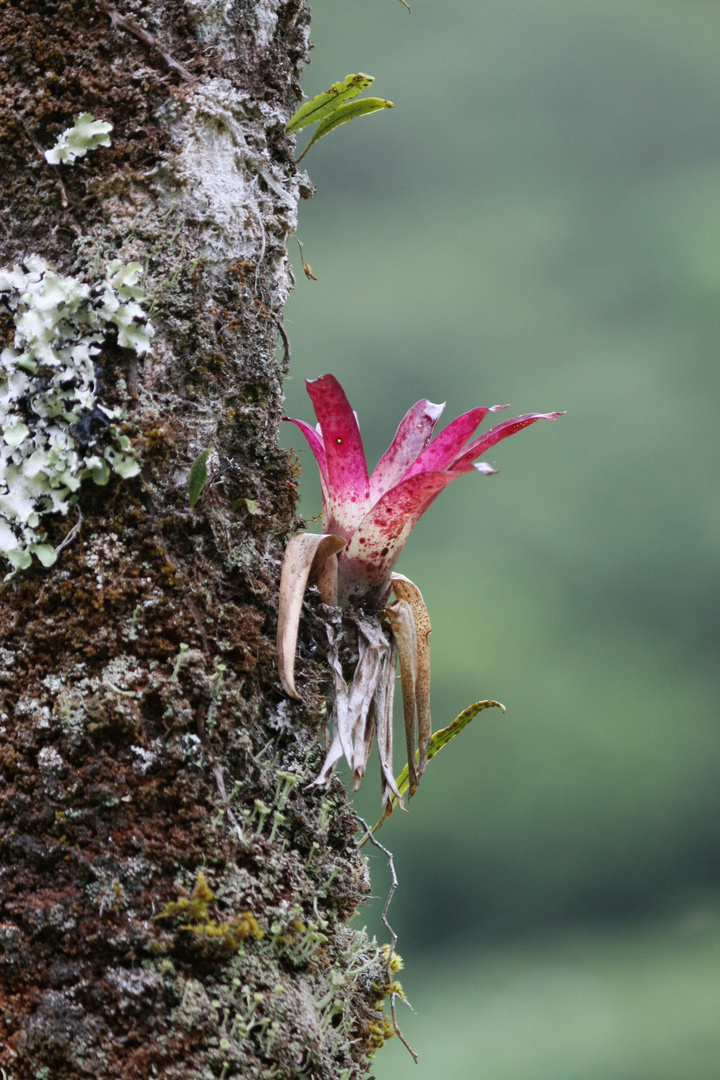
198 476
335 106
323 104
438 740
346 112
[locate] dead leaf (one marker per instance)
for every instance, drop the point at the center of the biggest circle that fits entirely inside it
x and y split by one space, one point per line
383 715
305 552
325 576
363 707
402 622
340 742
407 590
373 649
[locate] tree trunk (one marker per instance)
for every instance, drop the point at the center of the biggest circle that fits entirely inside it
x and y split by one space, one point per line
173 899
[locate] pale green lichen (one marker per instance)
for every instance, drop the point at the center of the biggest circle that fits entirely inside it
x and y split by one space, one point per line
86 134
55 431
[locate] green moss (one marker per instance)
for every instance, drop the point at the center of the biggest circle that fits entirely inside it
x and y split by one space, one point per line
194 906
230 934
193 916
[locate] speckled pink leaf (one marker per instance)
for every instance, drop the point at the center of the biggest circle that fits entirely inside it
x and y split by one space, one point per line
479 446
315 442
376 544
348 496
413 434
450 442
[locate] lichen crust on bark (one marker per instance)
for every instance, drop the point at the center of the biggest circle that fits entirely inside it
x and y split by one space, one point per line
174 899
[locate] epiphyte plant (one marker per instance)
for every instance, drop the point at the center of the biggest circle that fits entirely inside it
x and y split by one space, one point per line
366 520
375 514
334 107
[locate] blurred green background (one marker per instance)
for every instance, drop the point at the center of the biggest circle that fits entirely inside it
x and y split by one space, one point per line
538 222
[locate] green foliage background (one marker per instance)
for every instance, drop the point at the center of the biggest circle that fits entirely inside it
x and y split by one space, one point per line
538 222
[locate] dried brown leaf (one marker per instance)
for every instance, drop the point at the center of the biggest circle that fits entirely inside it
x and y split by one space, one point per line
373 648
407 590
402 621
340 703
383 714
354 712
305 552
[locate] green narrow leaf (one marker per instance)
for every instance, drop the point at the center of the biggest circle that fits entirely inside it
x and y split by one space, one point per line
344 113
439 739
198 477
317 108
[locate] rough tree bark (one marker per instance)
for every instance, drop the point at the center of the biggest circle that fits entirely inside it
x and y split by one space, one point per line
173 901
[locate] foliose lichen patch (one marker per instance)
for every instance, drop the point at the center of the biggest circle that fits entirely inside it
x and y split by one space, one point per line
87 133
55 430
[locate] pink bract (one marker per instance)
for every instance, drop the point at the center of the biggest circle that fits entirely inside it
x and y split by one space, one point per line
375 514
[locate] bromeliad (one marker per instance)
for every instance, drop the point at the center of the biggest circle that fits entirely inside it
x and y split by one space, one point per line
366 520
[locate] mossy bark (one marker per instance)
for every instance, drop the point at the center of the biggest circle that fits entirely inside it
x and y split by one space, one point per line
174 901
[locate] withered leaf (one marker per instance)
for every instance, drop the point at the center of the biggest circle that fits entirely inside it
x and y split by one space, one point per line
402 622
407 590
382 708
305 552
354 710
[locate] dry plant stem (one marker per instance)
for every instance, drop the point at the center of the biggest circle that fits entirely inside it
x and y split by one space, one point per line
350 705
369 835
374 649
132 27
367 706
285 340
71 535
340 743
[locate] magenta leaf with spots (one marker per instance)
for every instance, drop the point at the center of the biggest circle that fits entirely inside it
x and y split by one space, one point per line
375 514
